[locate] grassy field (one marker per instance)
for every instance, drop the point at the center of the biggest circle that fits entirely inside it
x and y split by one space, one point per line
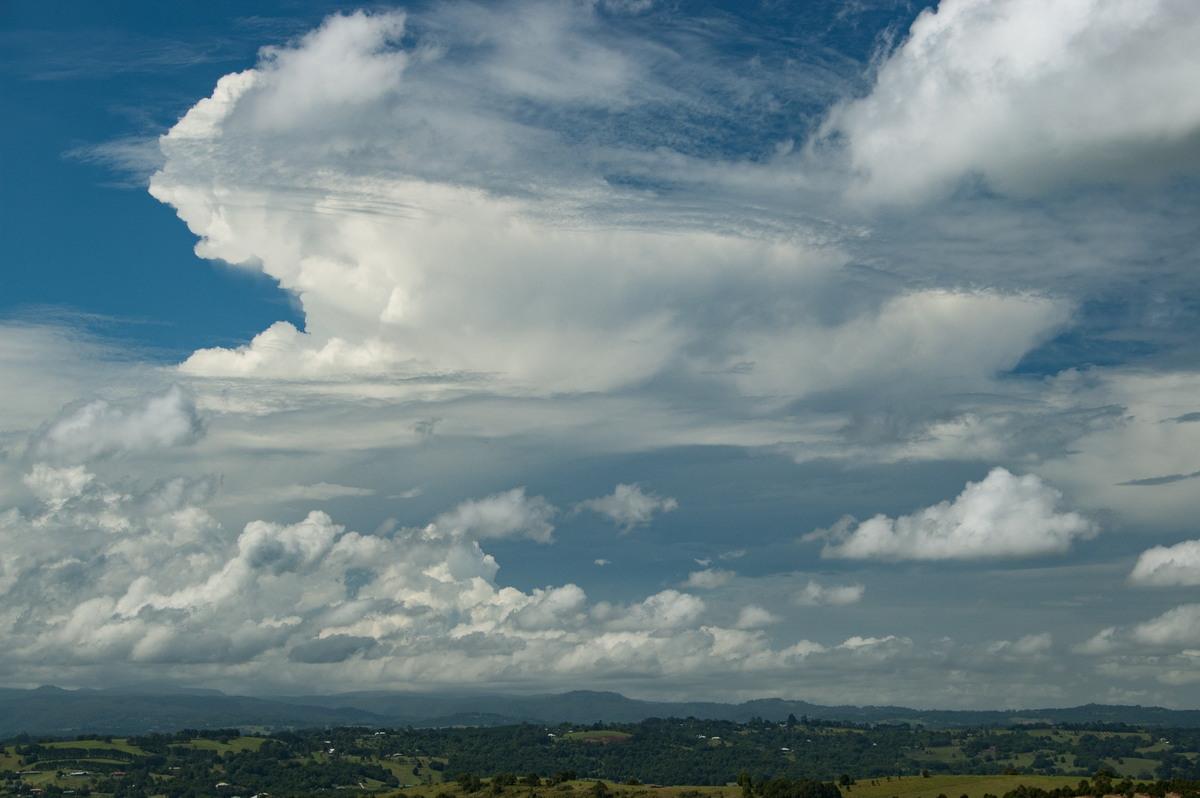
99 746
234 744
582 788
950 786
597 736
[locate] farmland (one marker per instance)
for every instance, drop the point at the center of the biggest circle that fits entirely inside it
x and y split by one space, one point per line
676 758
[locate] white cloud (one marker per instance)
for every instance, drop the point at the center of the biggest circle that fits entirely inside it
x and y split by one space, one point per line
144 582
540 55
1027 646
709 578
1103 642
408 265
30 389
815 594
410 261
56 486
915 337
1141 645
1028 95
348 62
754 617
501 515
874 645
1175 627
669 609
1168 565
1104 460
1000 516
102 429
628 506
170 589
478 262
321 491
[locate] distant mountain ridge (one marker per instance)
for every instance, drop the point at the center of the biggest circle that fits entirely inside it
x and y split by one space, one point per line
141 709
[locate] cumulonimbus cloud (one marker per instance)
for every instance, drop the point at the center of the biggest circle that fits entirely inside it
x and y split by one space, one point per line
411 260
1002 515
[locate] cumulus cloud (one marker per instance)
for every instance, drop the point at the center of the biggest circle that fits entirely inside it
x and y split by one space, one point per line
172 589
1173 634
99 579
1103 642
1168 565
1027 96
753 617
1002 515
1179 626
874 646
669 609
628 506
815 594
502 515
56 486
709 578
100 428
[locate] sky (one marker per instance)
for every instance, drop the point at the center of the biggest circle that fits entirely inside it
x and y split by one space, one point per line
845 351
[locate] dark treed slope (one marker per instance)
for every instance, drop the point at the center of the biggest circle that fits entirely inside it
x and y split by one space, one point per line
50 710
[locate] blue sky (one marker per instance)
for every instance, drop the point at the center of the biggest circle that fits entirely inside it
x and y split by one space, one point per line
844 352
